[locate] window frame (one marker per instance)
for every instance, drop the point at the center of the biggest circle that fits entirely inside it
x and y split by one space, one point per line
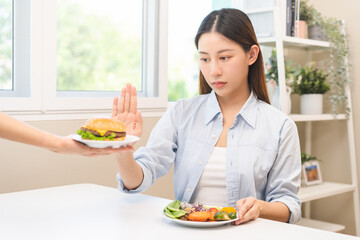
45 102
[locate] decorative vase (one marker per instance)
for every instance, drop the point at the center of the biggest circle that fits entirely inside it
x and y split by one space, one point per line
316 32
273 92
300 29
311 104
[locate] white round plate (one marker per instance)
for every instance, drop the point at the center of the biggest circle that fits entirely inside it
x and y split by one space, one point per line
199 224
129 139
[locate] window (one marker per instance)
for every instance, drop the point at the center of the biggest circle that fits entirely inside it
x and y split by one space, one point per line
82 54
14 48
6 82
98 48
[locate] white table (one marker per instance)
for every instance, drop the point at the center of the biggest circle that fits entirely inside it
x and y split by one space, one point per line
88 211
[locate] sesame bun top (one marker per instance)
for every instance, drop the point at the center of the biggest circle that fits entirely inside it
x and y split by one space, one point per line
107 124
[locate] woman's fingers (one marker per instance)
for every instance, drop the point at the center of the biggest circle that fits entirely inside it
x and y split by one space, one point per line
243 206
115 107
127 103
127 98
121 101
133 101
251 214
247 210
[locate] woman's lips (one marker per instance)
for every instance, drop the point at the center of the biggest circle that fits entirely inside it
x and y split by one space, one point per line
218 84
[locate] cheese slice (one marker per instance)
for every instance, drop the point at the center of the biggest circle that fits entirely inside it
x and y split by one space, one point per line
101 132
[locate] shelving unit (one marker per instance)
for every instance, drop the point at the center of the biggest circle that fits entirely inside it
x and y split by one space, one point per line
295 42
306 222
325 189
280 41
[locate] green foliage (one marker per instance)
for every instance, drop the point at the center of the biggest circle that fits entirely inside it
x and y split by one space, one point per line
93 53
339 67
310 81
5 43
272 72
306 157
306 11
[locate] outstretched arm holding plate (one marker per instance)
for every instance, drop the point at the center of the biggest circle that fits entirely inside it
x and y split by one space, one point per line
14 130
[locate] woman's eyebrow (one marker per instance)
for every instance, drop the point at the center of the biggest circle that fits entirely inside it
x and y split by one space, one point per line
221 51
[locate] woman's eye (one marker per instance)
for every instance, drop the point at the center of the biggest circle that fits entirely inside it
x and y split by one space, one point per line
224 58
204 59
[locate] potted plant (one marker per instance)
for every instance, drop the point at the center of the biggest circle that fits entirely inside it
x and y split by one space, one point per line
307 157
310 85
305 16
315 24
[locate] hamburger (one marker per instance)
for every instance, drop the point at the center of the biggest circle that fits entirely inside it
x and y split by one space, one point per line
103 129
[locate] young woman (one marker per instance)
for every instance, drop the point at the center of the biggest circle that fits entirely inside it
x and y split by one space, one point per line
230 147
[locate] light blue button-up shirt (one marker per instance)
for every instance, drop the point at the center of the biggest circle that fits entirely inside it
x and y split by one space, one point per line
262 159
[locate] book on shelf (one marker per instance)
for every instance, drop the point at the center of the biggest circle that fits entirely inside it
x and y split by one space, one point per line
290 17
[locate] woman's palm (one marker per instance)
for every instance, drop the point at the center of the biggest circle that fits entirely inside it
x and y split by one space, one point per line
126 111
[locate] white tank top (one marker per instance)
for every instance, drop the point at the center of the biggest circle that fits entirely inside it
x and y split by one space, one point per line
211 188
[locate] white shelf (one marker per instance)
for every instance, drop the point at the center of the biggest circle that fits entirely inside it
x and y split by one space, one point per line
325 189
305 222
295 42
321 117
259 10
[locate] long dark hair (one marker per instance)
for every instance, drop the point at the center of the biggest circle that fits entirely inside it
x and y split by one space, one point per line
235 25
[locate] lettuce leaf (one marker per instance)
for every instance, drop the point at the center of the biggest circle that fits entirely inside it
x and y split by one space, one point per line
172 210
90 136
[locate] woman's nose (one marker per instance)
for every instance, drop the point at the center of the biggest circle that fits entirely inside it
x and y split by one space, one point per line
215 69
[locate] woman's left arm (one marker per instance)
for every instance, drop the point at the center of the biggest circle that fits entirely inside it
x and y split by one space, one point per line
283 182
251 208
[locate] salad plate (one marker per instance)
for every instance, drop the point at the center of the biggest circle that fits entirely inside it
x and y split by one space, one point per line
198 215
129 139
199 224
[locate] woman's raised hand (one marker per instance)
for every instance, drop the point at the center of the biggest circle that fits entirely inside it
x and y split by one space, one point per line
125 110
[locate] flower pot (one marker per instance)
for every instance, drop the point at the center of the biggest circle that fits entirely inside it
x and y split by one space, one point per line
311 104
316 32
300 29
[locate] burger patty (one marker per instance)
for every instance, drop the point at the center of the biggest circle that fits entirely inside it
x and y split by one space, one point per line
108 133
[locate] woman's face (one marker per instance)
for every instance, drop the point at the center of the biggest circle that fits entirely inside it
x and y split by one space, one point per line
224 64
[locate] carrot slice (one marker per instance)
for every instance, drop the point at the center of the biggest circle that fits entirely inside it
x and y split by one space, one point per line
199 216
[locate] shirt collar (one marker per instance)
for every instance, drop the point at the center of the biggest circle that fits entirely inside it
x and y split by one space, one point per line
248 111
212 108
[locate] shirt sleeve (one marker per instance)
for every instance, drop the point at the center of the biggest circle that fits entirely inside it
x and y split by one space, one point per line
285 176
157 157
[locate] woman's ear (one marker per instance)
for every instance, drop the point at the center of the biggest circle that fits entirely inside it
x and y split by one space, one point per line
253 54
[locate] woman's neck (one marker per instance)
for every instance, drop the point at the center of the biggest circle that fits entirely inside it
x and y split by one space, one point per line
233 104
